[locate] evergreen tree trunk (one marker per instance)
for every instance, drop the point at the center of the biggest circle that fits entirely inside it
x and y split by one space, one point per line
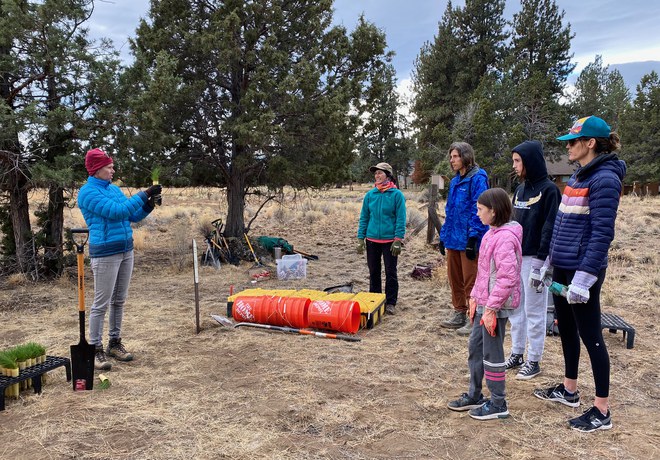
53 231
17 185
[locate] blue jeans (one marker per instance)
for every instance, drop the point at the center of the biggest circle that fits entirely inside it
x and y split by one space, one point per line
112 276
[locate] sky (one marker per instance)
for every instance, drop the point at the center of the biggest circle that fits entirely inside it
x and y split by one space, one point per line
620 31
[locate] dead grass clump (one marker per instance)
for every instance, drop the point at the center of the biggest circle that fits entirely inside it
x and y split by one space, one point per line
622 256
140 236
180 258
16 279
414 217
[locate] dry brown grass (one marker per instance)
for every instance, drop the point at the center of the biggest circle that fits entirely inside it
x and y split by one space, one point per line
246 394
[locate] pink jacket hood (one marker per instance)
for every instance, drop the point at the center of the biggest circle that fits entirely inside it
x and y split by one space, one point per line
498 277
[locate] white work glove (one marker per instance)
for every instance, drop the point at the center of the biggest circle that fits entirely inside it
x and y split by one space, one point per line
535 279
578 290
546 273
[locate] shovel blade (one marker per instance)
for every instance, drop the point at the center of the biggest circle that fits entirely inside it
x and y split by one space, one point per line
82 365
223 320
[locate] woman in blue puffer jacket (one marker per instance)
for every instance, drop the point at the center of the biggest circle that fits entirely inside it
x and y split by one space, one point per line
108 214
581 237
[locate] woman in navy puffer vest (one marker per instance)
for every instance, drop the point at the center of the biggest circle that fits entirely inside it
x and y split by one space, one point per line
108 215
583 231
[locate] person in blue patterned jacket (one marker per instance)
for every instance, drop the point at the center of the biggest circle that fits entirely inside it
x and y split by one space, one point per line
583 232
108 214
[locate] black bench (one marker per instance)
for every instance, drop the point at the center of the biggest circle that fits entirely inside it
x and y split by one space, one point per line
34 373
614 323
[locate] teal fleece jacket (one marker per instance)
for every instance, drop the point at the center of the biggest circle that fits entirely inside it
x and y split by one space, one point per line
383 215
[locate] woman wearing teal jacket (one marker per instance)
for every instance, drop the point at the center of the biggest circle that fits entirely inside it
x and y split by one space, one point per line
381 229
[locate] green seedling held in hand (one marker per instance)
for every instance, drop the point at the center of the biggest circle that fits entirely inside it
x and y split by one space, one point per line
155 177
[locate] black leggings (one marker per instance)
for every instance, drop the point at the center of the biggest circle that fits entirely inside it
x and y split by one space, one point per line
582 320
376 252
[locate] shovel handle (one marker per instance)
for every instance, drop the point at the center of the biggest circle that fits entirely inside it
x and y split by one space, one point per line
250 246
81 281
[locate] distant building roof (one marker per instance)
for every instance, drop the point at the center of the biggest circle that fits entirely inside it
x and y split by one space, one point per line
561 167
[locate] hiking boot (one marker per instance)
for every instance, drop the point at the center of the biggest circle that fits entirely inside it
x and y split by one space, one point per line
530 370
390 309
465 330
458 320
101 362
559 394
116 350
591 420
515 360
489 412
464 402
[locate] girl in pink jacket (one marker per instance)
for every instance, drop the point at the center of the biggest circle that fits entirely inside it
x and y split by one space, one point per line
496 293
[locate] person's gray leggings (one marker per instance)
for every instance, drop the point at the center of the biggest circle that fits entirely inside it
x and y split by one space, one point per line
112 276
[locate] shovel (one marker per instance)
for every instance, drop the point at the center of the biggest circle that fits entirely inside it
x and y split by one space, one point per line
82 355
229 323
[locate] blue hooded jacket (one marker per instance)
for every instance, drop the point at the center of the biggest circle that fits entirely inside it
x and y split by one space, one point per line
584 226
108 214
461 221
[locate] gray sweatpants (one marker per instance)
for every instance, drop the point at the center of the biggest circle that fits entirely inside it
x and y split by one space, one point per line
486 358
528 322
112 276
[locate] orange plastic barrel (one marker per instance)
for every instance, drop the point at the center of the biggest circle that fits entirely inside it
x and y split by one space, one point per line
273 310
335 315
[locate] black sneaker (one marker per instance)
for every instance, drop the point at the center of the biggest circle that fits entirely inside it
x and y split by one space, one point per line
530 370
515 360
101 362
489 412
559 394
591 420
464 402
390 309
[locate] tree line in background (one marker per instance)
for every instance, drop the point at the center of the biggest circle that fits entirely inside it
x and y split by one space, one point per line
256 95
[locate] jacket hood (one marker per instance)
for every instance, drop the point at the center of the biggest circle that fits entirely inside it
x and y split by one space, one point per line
513 227
474 171
606 161
531 153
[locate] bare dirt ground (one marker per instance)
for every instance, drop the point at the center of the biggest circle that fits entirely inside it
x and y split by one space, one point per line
247 394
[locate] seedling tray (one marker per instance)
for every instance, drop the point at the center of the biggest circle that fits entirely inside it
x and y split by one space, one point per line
34 373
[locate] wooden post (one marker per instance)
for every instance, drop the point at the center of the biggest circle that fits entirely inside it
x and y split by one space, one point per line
434 221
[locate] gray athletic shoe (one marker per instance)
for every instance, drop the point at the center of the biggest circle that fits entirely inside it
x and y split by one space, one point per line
464 402
489 412
457 321
465 330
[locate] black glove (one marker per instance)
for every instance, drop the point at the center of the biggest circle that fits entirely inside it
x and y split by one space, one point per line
471 248
441 247
151 203
154 190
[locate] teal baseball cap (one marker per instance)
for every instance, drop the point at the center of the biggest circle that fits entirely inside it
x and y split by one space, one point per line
587 127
